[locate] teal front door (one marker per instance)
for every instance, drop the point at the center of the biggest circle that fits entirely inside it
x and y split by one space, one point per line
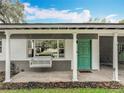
84 54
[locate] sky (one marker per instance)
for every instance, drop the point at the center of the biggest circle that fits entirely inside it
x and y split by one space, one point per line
72 11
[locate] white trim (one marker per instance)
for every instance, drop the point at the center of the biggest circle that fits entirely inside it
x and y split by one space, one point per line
1 46
59 59
75 57
115 57
98 52
95 54
57 48
7 63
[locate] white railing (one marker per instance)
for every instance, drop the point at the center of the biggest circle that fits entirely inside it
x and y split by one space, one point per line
41 62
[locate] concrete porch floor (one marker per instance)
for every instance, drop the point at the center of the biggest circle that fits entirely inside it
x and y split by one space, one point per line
105 74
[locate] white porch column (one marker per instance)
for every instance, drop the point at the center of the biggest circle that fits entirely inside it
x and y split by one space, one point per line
75 57
7 61
115 57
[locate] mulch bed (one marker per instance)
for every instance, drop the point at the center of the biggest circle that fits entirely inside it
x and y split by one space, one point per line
32 85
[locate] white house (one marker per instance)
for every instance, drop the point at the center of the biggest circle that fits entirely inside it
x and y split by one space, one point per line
61 46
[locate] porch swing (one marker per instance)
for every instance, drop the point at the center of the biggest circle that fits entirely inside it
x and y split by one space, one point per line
41 58
41 62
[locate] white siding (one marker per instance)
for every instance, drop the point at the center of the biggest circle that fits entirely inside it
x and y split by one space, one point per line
2 55
19 49
69 50
95 54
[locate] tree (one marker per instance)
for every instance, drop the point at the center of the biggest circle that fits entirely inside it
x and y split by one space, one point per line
121 21
98 20
11 12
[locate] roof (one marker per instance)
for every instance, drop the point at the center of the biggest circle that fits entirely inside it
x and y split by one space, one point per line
62 26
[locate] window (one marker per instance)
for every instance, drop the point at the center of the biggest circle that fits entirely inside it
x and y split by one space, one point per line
46 48
121 51
61 48
30 48
54 48
0 46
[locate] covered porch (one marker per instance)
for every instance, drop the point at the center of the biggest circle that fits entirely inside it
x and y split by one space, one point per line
73 75
69 65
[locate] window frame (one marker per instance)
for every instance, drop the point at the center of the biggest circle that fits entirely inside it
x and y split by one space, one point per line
120 48
34 47
1 46
59 48
27 49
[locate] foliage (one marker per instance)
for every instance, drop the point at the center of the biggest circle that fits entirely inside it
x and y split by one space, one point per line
121 21
98 20
11 12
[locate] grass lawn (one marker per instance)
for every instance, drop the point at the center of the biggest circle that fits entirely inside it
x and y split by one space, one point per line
78 90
